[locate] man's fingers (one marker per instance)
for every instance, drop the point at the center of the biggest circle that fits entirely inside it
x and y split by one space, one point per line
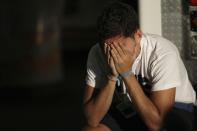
113 67
108 54
106 51
114 56
118 49
105 48
122 48
114 50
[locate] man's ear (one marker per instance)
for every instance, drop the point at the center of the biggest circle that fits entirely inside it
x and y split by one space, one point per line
138 36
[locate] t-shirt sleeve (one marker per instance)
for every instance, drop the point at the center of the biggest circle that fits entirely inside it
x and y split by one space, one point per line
166 72
93 74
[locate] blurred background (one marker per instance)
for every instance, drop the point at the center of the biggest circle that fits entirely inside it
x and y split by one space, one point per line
44 47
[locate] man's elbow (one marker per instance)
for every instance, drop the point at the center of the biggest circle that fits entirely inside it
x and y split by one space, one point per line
91 118
155 126
92 122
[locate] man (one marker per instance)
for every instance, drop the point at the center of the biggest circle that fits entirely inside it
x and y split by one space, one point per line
126 59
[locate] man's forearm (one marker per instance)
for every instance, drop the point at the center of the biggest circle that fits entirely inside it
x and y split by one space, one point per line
97 107
143 104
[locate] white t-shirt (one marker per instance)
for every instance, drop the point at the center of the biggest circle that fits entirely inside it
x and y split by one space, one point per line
159 61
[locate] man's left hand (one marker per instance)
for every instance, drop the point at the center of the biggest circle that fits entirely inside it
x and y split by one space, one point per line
123 57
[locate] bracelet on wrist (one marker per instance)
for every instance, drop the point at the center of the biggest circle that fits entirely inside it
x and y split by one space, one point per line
126 74
113 78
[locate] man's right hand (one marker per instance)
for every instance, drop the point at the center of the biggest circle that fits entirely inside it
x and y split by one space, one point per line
111 66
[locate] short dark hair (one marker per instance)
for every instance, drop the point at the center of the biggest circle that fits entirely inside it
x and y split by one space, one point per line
117 18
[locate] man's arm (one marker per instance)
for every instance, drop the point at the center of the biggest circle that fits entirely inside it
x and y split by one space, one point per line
96 106
154 109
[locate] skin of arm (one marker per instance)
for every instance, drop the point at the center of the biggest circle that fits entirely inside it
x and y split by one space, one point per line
152 110
96 106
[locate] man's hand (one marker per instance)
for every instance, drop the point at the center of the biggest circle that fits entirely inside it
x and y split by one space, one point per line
123 57
110 61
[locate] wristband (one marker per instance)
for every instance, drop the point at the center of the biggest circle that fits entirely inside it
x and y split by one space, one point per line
113 78
126 74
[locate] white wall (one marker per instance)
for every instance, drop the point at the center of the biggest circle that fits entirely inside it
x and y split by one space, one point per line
150 16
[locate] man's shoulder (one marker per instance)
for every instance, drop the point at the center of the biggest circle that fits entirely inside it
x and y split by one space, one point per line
159 48
94 47
155 37
160 43
95 51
